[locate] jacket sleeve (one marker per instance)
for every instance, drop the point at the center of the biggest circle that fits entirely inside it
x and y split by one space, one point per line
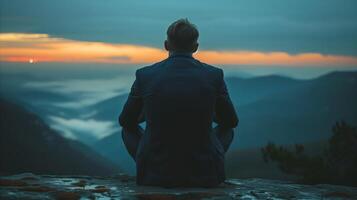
225 114
132 110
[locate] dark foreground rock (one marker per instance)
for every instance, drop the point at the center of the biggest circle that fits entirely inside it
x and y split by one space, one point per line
30 186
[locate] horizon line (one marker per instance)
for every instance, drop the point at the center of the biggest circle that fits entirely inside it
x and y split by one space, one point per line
42 48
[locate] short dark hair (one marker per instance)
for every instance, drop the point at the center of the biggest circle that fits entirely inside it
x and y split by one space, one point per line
182 34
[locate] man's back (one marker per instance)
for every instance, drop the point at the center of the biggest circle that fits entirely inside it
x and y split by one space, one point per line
179 97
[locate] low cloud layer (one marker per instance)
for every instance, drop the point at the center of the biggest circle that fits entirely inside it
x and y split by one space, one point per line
84 92
78 128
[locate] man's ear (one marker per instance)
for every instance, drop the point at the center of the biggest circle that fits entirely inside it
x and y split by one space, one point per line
195 48
167 45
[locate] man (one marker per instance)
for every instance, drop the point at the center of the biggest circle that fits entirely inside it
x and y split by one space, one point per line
179 98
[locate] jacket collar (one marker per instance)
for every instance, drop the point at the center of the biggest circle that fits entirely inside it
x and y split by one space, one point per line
177 54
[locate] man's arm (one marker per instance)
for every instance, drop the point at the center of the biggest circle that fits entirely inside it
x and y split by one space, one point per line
132 110
225 114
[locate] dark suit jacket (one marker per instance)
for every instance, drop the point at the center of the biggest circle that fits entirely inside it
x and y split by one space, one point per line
179 98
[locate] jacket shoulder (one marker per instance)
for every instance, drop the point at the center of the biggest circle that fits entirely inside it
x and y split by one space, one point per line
212 69
149 68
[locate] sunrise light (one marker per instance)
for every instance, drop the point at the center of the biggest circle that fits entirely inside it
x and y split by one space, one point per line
18 47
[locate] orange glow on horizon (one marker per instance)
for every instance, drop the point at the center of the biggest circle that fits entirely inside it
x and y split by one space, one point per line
22 47
275 58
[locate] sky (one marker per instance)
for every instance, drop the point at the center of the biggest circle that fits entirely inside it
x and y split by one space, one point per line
232 32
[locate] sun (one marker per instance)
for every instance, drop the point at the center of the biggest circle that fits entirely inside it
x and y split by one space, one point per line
31 61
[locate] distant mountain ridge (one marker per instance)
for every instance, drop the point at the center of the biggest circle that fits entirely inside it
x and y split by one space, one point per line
300 113
248 90
27 144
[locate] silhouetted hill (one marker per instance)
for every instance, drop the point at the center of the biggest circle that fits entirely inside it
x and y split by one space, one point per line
27 144
109 109
300 113
339 75
247 90
112 147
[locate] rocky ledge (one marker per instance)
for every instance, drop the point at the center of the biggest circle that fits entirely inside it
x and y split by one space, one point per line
30 186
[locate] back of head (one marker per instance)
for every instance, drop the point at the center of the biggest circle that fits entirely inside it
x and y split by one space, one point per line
182 36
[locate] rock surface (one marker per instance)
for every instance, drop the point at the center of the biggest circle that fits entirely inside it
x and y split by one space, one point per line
30 186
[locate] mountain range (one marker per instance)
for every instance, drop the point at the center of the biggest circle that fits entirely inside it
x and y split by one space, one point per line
271 108
27 144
